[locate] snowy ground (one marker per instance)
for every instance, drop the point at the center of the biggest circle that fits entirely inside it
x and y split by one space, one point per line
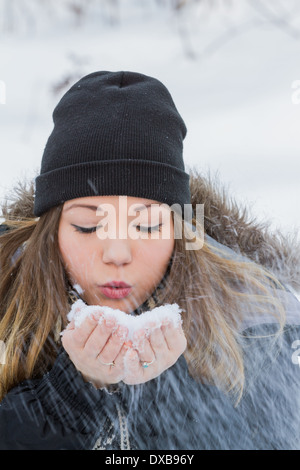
230 70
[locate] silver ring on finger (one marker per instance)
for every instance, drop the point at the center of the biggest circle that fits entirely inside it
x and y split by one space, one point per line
146 364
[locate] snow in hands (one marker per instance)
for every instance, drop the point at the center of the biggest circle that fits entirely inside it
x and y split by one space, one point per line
139 329
168 313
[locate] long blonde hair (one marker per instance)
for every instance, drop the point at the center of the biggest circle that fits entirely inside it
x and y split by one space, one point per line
219 296
208 287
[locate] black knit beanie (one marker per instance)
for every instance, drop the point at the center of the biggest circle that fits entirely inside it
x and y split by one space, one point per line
115 133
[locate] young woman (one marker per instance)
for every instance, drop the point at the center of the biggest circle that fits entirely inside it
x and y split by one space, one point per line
227 378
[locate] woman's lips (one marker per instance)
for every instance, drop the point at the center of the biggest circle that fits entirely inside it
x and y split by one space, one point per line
116 290
116 284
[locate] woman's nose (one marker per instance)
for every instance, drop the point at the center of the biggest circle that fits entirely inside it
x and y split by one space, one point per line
117 252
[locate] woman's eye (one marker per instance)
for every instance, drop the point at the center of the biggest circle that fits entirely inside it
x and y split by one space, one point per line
156 228
84 229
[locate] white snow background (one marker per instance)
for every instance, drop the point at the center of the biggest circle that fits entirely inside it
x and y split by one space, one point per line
230 66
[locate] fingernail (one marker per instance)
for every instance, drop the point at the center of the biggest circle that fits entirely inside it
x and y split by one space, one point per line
139 334
122 332
96 316
110 322
131 354
150 327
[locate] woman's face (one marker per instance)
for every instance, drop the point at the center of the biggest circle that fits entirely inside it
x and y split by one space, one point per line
117 242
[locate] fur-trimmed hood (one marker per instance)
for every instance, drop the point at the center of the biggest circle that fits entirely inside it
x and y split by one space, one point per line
230 223
225 220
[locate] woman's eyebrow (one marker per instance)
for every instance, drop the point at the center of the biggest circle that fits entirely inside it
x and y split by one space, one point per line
85 206
94 208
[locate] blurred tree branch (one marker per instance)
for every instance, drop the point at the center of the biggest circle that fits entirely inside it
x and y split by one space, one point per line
17 14
281 22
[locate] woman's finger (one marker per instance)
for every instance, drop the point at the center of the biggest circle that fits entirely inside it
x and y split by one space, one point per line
132 367
174 337
158 343
113 346
143 346
99 337
80 335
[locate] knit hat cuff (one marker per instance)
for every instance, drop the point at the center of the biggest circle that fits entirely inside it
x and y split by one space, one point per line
97 178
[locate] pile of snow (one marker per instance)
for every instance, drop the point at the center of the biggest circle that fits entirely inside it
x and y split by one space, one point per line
157 317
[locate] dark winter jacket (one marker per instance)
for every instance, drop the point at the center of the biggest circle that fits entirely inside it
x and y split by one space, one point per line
61 411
